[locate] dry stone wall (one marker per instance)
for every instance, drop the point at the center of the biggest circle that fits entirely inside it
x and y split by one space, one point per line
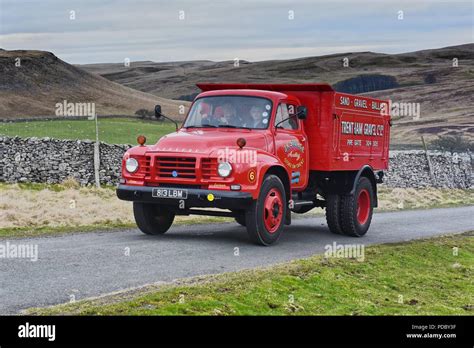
53 161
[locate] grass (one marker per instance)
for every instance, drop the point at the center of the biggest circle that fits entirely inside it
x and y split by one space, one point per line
392 199
412 278
38 231
111 130
35 209
106 226
39 186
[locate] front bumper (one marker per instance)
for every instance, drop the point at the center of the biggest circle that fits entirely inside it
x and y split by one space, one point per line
232 200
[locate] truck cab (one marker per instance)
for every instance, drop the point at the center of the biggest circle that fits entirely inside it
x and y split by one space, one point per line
250 151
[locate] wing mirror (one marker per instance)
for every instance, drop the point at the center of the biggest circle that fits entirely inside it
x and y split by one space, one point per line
158 113
301 112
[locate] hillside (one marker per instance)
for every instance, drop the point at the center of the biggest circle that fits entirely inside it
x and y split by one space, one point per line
42 80
445 93
176 79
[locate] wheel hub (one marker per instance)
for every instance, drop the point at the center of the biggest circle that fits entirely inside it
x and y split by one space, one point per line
363 206
273 210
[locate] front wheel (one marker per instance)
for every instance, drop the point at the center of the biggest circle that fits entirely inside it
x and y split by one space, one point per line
356 209
152 218
265 218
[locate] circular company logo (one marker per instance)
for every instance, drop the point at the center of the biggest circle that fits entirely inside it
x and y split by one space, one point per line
293 155
174 173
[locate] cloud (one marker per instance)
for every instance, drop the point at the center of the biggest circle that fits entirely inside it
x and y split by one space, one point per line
109 31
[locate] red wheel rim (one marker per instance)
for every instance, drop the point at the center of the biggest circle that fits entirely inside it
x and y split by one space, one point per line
363 206
273 210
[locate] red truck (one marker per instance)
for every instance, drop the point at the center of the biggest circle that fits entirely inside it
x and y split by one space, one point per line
258 152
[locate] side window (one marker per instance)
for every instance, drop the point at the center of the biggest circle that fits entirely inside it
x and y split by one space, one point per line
291 109
293 122
283 114
278 116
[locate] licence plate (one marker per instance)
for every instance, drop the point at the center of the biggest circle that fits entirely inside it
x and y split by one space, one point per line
169 193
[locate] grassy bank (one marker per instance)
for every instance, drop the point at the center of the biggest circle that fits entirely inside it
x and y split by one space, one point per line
39 209
416 278
111 130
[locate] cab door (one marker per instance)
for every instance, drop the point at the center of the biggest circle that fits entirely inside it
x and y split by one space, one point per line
291 144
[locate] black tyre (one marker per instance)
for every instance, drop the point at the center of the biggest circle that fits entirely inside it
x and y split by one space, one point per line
333 213
152 218
357 209
240 219
265 219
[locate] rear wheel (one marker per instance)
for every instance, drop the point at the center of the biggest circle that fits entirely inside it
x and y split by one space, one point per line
152 218
333 213
357 209
265 218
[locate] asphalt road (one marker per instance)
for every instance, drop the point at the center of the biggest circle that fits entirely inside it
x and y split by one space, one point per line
91 264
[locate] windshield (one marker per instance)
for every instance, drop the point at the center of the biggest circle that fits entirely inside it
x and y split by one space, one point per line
230 112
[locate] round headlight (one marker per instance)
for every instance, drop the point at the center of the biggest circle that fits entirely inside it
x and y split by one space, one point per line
131 165
224 169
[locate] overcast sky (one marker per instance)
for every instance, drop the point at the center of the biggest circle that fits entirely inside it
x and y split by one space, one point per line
112 30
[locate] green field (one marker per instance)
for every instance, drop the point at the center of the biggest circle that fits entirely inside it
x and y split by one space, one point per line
427 277
111 130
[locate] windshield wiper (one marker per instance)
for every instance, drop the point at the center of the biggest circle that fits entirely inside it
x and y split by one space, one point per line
231 126
202 126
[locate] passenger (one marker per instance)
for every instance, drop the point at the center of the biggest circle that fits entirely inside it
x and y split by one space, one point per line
256 113
206 117
204 110
228 114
